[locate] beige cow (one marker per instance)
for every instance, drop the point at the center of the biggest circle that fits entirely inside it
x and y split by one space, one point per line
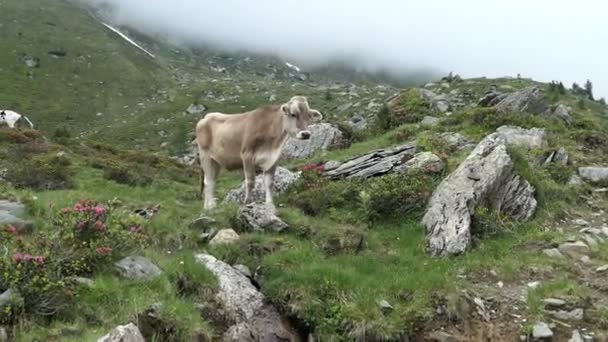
250 141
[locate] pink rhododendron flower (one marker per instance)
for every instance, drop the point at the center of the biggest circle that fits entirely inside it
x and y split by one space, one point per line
11 229
100 225
81 225
103 250
99 210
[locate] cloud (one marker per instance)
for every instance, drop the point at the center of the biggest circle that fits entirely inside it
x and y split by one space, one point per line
543 39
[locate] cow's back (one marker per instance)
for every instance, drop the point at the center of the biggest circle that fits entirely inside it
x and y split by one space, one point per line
220 136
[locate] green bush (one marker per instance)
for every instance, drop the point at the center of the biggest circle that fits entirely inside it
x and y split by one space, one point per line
41 173
80 241
410 107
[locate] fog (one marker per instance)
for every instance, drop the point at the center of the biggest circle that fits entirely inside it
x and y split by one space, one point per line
543 39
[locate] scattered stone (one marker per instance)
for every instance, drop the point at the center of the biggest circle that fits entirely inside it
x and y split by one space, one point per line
426 162
541 330
553 253
558 157
357 123
534 284
586 260
590 240
575 180
283 178
202 223
605 231
260 217
581 222
486 177
30 61
224 236
255 319
528 100
430 121
562 112
385 306
442 336
123 333
137 268
323 136
574 315
593 173
196 108
574 249
576 337
454 141
373 163
438 102
602 269
244 270
554 303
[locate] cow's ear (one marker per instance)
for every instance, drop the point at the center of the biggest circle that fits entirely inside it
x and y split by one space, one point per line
316 115
285 109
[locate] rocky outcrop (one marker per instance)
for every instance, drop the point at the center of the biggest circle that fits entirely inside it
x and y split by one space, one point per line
253 317
528 100
283 178
532 138
123 333
593 174
486 177
561 112
374 163
323 136
260 217
137 268
440 102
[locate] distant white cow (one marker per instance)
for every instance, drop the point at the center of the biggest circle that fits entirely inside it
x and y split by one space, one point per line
11 118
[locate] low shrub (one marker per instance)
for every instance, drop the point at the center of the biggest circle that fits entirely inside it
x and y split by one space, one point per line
410 107
42 172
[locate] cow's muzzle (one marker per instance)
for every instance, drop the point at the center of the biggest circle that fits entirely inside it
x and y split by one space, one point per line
303 135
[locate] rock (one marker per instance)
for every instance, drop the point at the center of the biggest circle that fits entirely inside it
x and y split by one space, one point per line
15 209
3 335
255 319
426 162
438 102
10 298
574 249
574 315
442 336
559 157
575 180
30 61
373 163
323 136
602 269
207 235
590 241
331 165
605 231
202 223
196 108
528 100
283 178
123 333
429 121
533 138
554 302
344 107
576 337
562 112
581 222
224 236
486 177
244 270
491 98
83 281
357 123
454 141
593 173
534 284
137 268
385 306
260 217
553 253
541 330
586 260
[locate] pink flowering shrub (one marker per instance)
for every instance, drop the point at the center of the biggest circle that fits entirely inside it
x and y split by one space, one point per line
80 240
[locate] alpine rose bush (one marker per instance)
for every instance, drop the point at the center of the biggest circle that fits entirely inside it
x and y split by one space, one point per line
81 240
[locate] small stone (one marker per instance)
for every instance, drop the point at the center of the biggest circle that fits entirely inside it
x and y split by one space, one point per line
430 121
224 236
554 302
534 284
581 222
442 336
594 231
574 315
137 268
500 284
553 253
576 337
605 231
590 240
602 269
244 270
542 330
586 260
385 306
574 249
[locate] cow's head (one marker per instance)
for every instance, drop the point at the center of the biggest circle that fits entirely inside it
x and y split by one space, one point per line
298 115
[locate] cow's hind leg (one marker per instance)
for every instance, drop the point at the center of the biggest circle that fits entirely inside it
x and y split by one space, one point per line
209 171
268 183
249 172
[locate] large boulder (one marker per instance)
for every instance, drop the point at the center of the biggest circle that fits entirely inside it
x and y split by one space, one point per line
283 178
137 268
323 135
373 163
260 217
254 318
593 173
440 102
486 177
528 100
123 333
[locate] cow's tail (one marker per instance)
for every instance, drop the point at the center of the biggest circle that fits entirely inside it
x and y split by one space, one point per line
28 121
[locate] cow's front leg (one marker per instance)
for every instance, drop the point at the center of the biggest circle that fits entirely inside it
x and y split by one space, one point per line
268 183
249 171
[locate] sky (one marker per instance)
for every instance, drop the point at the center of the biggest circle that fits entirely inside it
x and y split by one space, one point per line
545 40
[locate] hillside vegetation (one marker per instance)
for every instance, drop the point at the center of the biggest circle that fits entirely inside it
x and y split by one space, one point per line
352 264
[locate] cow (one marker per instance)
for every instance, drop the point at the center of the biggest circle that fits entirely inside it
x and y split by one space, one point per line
11 118
251 141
